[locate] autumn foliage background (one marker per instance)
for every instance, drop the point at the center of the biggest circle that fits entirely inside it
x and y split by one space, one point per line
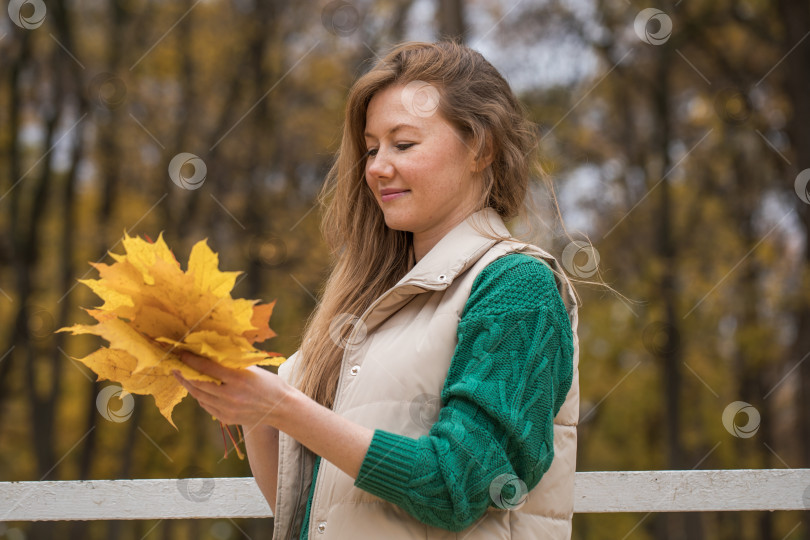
678 160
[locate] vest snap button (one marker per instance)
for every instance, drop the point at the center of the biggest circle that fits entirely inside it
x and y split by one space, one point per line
442 277
321 526
354 370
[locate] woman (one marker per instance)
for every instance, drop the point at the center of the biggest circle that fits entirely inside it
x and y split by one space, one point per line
449 402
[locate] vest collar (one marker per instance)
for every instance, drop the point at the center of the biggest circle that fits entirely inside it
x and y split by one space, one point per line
456 251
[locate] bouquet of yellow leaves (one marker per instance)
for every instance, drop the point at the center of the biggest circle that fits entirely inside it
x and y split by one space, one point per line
153 310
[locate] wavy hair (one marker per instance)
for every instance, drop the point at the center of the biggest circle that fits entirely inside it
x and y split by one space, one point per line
368 256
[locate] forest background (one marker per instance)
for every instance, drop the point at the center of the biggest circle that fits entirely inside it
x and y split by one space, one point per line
676 134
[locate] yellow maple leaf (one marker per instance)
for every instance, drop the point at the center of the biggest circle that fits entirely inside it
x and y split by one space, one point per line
143 254
152 310
203 264
119 366
231 351
122 336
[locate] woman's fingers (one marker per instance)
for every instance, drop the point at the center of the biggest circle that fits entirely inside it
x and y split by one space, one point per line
201 394
246 396
218 406
199 389
206 366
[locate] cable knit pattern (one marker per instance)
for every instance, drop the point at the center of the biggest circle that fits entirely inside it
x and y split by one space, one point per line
508 378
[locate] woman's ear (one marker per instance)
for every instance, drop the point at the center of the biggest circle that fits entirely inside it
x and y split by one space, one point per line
486 159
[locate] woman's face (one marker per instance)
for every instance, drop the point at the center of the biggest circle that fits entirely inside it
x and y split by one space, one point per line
415 151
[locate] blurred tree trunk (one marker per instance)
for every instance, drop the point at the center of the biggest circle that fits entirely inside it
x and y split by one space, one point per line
750 372
451 19
679 525
181 208
401 9
16 336
264 154
795 19
109 158
28 239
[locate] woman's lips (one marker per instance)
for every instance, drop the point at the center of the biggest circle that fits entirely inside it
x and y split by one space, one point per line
392 196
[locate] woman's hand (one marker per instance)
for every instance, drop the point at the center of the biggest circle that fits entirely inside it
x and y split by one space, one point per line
250 397
254 396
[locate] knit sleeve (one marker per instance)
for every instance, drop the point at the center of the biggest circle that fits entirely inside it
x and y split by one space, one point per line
509 376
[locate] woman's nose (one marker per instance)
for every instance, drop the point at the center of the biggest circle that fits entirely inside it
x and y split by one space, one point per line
380 165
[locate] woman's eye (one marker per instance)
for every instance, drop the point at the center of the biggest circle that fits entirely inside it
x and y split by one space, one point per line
401 147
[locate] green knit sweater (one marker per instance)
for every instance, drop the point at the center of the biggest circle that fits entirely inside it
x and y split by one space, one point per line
508 378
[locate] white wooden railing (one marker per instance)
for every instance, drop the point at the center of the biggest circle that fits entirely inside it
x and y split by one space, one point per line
620 491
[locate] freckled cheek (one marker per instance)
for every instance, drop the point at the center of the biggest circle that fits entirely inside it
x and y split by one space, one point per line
431 182
418 176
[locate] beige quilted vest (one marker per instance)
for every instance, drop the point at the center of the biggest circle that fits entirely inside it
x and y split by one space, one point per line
410 338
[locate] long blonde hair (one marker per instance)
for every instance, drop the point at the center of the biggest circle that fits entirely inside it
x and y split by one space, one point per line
369 257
